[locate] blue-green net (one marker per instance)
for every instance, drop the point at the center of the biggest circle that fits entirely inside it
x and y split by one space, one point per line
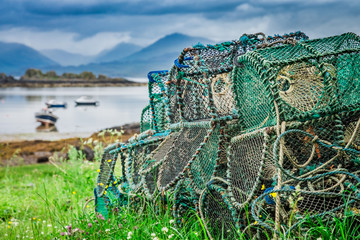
254 134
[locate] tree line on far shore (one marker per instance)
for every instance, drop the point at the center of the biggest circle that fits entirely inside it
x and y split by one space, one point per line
36 74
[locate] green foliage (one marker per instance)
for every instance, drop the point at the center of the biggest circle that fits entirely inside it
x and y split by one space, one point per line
70 75
33 73
75 154
51 74
115 135
102 77
87 75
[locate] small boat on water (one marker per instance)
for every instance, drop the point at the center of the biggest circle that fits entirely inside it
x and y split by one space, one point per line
55 104
86 100
46 117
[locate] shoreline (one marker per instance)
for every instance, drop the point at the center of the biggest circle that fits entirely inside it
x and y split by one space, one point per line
41 136
32 148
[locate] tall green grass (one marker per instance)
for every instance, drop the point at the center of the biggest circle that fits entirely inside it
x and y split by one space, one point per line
37 201
46 201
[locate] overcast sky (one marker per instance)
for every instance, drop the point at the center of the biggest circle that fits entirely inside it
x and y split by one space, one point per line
90 26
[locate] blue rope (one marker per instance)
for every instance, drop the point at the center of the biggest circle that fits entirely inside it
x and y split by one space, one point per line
149 75
179 65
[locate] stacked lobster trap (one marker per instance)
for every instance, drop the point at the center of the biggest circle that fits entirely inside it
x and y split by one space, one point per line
262 131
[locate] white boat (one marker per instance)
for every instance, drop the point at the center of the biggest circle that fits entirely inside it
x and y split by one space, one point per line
55 104
86 100
46 117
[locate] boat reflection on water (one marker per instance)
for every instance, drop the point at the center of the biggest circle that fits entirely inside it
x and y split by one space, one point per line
44 128
84 108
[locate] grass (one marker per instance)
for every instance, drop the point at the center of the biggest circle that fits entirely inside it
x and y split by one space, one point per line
44 201
41 202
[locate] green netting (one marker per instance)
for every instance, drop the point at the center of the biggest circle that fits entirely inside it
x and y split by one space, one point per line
150 171
173 111
184 200
221 217
145 121
195 98
306 79
110 200
348 74
177 159
253 98
246 161
254 134
134 163
203 165
201 77
158 100
107 164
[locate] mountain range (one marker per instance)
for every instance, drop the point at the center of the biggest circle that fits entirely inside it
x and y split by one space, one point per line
15 58
123 60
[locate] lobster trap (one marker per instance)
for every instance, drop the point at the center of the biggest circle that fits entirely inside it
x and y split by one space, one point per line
257 135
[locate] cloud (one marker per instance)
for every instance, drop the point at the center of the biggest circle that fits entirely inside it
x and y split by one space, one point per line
134 7
67 41
88 26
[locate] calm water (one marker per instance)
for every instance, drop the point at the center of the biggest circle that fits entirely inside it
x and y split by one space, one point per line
118 105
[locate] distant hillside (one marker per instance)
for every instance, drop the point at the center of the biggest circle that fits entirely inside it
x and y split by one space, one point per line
158 56
16 58
116 53
170 45
65 58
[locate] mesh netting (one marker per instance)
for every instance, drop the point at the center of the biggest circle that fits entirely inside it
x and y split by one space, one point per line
201 77
247 155
217 211
173 104
184 200
252 97
176 160
195 98
134 163
258 135
348 75
107 164
302 87
222 94
111 199
301 154
157 96
306 79
145 122
203 165
150 172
